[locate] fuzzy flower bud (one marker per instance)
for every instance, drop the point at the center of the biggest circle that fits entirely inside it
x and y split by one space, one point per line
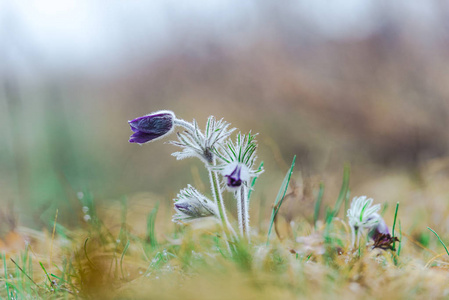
190 205
152 126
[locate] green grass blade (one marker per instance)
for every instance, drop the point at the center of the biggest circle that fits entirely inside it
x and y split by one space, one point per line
151 236
394 225
87 256
121 259
254 182
400 238
318 204
279 198
23 272
45 271
341 196
6 275
442 243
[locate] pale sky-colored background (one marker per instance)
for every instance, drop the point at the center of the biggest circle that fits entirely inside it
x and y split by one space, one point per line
99 38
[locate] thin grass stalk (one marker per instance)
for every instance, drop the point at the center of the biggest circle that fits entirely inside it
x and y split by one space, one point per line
400 238
318 204
151 219
5 268
439 239
121 259
394 225
280 198
341 196
254 182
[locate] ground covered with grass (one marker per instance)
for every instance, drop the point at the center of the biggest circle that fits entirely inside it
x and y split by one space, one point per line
132 250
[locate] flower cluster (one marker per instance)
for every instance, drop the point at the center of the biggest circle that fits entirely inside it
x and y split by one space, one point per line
362 216
233 161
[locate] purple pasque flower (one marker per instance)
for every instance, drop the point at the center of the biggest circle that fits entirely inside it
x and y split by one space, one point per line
238 160
152 126
381 236
236 173
380 228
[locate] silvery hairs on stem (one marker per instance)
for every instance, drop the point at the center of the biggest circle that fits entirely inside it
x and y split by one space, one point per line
362 215
191 204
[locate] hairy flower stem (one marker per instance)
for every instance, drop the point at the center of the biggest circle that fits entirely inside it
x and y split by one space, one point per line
215 187
355 236
352 237
243 211
186 125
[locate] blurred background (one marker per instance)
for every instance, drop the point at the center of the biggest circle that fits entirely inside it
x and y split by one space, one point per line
363 82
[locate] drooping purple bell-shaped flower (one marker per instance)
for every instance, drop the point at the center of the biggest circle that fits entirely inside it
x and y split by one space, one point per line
236 174
234 179
379 229
152 126
381 236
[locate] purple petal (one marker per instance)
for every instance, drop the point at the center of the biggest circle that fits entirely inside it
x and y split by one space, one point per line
150 127
234 182
183 207
142 137
234 179
380 229
159 124
133 128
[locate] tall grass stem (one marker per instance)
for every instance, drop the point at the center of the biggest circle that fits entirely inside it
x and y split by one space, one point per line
280 198
441 241
394 225
318 204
